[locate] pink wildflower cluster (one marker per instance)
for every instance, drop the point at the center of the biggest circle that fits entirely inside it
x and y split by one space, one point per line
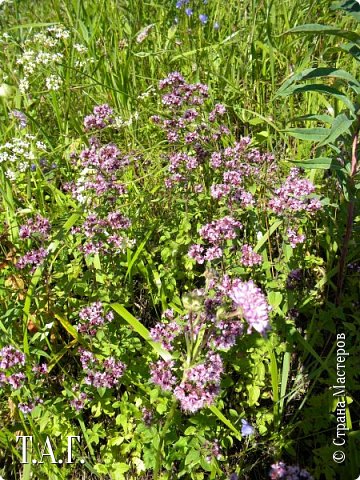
294 195
182 92
92 317
294 237
201 384
104 235
101 374
162 375
252 303
214 233
249 258
27 407
197 385
165 333
101 117
39 226
12 361
34 258
280 471
78 403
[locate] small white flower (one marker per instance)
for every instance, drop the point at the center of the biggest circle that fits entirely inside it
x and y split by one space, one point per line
53 83
24 85
10 174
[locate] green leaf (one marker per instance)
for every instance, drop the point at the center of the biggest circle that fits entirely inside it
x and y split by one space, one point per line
140 329
317 134
319 163
351 7
321 72
192 457
267 235
340 125
313 28
68 327
284 379
318 88
351 48
227 422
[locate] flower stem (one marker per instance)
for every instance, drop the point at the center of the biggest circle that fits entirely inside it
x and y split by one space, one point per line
164 430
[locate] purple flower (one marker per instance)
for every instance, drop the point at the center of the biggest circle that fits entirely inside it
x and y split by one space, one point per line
293 195
20 117
39 226
220 230
92 317
34 258
101 118
281 471
181 3
78 402
253 304
246 428
201 384
219 190
188 12
147 415
203 18
161 374
11 357
295 238
16 380
106 374
40 369
249 258
165 333
197 253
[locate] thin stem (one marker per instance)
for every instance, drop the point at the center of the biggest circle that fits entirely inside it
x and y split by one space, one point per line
164 430
350 218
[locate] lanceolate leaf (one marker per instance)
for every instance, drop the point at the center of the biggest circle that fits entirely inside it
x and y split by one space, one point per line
322 72
140 329
351 7
340 125
309 134
318 88
352 48
320 163
313 28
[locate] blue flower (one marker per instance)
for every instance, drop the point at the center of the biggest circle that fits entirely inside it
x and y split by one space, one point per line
246 428
203 18
188 11
180 3
216 26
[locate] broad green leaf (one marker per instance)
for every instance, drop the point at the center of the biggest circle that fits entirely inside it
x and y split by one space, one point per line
320 118
284 379
340 125
317 134
317 88
321 72
320 163
313 28
351 48
352 7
